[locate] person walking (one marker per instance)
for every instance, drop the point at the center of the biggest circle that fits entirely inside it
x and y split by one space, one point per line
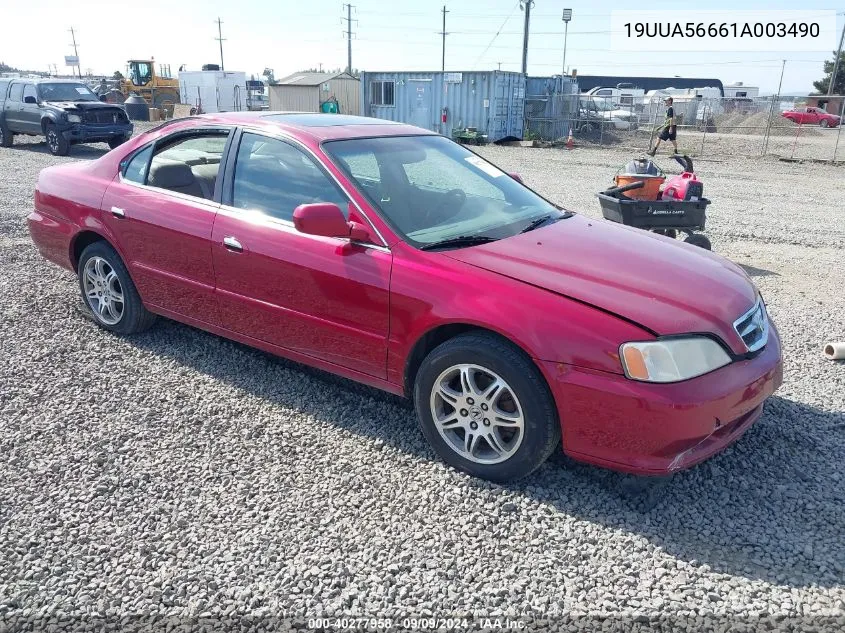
668 131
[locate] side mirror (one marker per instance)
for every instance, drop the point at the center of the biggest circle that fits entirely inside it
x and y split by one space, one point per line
516 177
326 219
30 99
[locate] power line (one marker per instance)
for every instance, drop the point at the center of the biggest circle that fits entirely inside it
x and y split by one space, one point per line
220 39
348 19
516 6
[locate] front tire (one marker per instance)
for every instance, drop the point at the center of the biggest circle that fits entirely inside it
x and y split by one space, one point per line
56 143
824 123
485 408
109 293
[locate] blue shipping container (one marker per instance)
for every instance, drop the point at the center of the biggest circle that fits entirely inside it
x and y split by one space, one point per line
493 102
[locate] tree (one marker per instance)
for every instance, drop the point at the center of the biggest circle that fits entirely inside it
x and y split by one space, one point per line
117 75
839 84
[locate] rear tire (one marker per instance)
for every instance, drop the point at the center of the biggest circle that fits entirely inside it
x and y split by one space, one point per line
6 137
499 434
56 143
697 239
109 293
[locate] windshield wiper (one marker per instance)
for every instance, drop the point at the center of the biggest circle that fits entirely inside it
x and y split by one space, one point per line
460 240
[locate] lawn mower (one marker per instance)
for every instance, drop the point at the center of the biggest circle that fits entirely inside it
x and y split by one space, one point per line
643 197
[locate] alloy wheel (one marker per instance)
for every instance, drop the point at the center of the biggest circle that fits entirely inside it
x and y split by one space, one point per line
477 413
102 290
53 140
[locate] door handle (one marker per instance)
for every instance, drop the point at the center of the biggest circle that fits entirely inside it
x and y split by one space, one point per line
118 212
232 244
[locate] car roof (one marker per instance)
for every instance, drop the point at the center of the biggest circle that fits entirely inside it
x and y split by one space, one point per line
320 127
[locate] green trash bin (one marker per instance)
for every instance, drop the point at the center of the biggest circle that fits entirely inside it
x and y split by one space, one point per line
330 107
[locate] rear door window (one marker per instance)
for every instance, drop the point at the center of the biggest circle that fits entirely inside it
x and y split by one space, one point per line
16 92
188 164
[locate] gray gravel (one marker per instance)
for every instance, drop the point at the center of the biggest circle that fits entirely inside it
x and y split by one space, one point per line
177 478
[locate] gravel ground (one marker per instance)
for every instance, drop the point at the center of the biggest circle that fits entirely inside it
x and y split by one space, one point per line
175 478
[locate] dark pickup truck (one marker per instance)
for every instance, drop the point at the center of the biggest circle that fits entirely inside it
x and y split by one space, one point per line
65 112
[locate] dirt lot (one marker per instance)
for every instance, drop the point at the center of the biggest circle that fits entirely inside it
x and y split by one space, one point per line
174 475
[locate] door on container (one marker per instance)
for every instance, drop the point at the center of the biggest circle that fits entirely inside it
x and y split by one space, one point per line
161 209
420 114
323 297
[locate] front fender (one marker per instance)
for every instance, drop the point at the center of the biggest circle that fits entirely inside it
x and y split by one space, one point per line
547 326
51 117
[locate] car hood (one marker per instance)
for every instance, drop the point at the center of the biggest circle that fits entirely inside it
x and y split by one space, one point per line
660 284
81 105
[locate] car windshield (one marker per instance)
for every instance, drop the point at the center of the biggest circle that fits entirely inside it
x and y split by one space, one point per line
432 190
66 92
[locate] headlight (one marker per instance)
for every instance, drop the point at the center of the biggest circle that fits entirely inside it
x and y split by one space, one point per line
74 118
672 360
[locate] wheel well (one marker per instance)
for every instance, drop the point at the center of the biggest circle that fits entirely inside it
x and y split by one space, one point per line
44 123
82 241
438 336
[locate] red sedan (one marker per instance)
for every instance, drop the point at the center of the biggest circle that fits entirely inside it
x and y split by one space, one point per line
811 116
398 258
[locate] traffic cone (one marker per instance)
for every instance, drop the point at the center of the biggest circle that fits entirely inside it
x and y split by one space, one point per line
570 143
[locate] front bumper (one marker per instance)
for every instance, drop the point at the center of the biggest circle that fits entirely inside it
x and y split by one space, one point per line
89 133
655 429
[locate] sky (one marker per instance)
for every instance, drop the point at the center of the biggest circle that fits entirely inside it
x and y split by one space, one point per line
290 36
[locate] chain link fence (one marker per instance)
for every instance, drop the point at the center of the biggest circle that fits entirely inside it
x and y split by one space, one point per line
792 128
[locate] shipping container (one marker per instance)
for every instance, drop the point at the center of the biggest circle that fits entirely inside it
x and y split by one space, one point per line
493 102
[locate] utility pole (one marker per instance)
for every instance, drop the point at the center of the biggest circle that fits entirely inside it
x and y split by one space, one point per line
348 19
444 34
220 39
75 53
836 63
525 5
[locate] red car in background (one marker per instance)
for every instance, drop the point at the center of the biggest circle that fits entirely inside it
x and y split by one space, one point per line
395 257
812 116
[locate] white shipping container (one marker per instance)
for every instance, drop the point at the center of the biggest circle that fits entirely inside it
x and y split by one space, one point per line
213 90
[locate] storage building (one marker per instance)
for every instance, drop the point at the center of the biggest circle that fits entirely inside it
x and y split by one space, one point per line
493 102
316 92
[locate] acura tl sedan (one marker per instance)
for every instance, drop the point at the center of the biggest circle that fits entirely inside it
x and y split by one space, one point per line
395 257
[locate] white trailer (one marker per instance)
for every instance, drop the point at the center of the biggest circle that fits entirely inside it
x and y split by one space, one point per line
213 90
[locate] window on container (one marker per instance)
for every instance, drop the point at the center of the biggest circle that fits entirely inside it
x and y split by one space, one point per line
382 93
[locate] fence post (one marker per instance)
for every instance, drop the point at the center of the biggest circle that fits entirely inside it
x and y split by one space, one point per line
653 121
768 126
836 145
704 123
795 142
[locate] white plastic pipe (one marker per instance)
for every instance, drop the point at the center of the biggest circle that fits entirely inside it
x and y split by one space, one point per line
835 351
